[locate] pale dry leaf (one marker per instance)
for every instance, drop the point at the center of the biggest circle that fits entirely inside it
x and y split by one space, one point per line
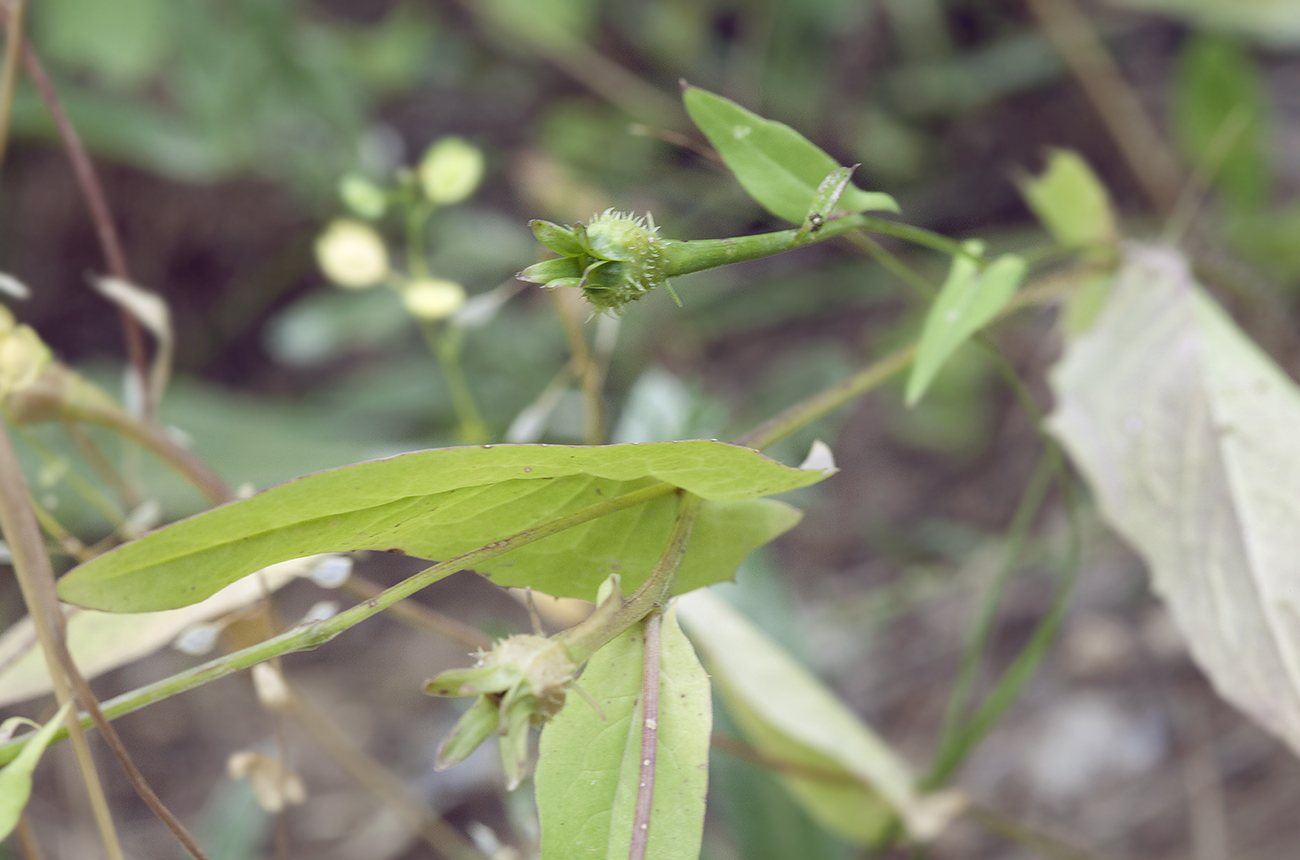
1188 435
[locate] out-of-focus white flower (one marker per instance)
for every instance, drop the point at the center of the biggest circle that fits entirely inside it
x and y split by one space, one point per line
433 298
450 170
274 785
272 691
352 254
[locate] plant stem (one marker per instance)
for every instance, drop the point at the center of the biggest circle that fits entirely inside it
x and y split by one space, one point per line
9 72
314 635
422 617
589 636
445 342
645 791
1031 502
31 566
1149 158
93 193
825 402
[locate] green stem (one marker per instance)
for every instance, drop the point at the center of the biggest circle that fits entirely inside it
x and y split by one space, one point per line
1031 503
603 626
825 402
445 343
1026 663
314 635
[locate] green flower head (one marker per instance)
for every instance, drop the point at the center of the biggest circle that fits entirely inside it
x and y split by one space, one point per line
614 260
523 680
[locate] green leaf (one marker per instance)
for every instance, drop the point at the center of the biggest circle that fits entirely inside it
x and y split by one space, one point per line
776 165
1221 118
16 777
849 779
1186 433
441 503
102 641
589 767
969 300
1071 202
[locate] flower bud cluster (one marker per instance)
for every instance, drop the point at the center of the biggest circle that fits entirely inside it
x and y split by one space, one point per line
353 254
615 259
522 681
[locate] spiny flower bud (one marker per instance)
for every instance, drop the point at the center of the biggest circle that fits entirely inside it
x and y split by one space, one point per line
614 260
523 680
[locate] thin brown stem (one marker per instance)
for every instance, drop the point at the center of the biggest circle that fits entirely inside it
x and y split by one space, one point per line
9 72
645 790
93 193
27 839
1139 141
31 565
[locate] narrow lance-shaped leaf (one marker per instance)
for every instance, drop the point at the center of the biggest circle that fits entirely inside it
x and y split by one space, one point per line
969 300
1187 434
16 777
589 766
439 504
850 780
776 165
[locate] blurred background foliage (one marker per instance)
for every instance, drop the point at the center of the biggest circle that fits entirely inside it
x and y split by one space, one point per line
223 129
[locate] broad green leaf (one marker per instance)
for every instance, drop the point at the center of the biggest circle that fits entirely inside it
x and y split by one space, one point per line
101 641
1221 117
441 503
1187 434
1071 202
968 301
853 783
1270 22
588 770
776 165
16 777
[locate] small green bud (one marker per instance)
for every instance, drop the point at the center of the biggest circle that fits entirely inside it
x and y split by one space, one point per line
363 197
450 170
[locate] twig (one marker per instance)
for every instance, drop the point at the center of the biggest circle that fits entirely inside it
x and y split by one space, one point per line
825 402
645 790
9 72
1148 157
27 839
96 202
31 567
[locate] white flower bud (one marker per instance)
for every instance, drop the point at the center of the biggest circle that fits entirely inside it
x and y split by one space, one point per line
450 170
433 298
352 254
